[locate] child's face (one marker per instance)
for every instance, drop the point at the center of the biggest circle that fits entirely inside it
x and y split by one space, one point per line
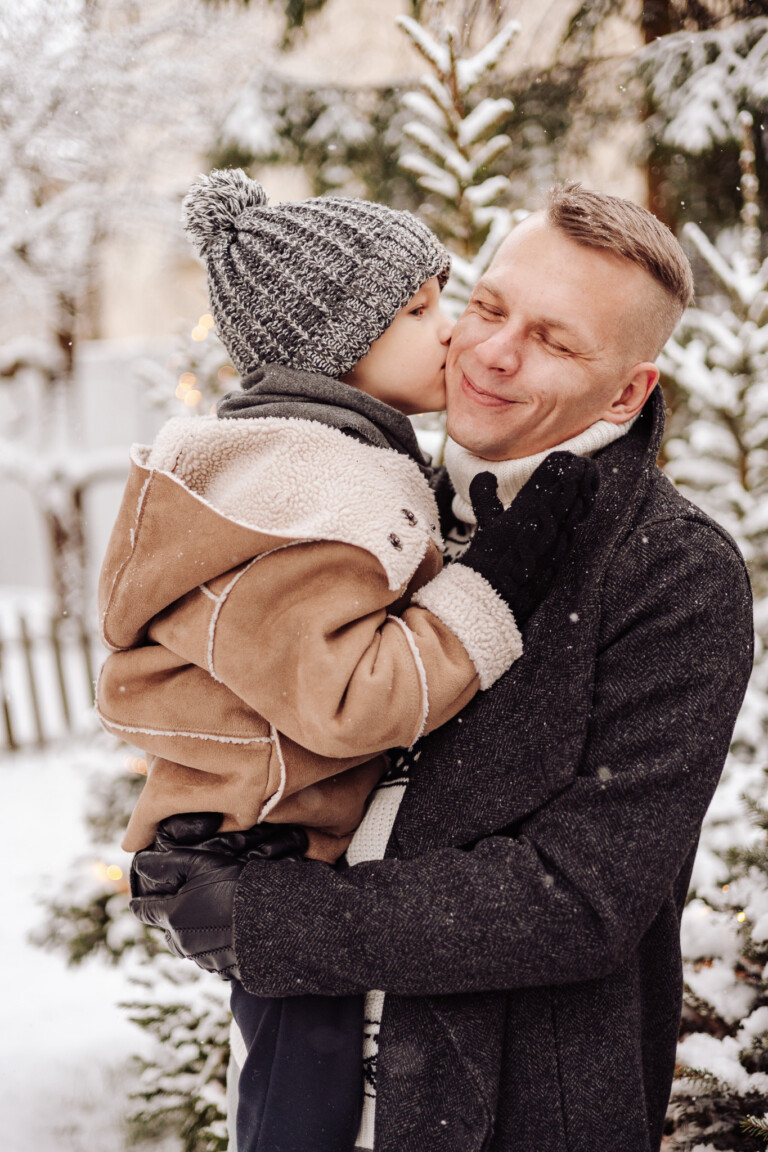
406 365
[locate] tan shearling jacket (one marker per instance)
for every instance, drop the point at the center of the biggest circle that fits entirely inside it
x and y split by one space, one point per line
273 599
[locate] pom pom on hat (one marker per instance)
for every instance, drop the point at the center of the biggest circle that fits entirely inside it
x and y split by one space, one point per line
213 205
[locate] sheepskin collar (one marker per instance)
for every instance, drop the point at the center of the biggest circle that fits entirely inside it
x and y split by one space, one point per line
276 390
299 480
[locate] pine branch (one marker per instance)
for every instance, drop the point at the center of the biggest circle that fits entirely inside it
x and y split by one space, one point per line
724 272
435 54
701 1079
755 1126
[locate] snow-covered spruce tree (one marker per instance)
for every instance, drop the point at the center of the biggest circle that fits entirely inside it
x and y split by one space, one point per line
702 62
498 136
452 142
718 455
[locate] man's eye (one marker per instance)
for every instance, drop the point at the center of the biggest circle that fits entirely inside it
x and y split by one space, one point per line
485 308
552 344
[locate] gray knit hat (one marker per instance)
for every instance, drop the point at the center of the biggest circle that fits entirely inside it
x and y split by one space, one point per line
309 284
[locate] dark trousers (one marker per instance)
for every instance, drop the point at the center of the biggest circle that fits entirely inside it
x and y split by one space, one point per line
300 1088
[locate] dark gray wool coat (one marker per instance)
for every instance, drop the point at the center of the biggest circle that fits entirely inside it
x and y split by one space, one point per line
526 919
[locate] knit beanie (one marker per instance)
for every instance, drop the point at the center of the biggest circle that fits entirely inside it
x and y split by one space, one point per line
309 284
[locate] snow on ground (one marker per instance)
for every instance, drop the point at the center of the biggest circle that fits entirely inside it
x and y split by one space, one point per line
64 1078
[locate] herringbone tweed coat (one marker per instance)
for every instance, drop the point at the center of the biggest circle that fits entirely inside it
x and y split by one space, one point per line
525 923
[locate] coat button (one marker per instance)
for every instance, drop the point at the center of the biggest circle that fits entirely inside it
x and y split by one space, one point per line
408 515
395 541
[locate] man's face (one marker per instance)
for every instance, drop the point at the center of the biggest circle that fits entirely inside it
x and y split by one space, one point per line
544 349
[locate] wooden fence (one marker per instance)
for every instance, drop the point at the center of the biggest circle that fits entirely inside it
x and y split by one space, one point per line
47 673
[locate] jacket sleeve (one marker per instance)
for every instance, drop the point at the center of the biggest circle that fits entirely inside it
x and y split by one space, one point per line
567 893
312 638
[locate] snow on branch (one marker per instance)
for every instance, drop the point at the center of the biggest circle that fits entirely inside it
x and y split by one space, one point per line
715 330
482 119
439 94
700 80
745 285
437 54
431 176
438 144
28 353
487 153
482 194
426 108
471 71
44 473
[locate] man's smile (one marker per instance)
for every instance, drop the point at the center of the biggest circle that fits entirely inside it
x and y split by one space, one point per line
480 395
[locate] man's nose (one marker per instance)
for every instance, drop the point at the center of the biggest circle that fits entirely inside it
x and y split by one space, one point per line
501 350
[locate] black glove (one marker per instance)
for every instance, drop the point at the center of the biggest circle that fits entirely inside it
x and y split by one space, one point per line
185 883
519 550
270 841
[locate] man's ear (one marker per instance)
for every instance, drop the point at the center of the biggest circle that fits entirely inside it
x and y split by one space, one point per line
642 380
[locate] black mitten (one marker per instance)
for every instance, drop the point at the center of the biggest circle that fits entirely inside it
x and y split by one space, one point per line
519 550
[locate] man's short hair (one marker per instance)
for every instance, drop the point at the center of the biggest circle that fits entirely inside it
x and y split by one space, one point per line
598 220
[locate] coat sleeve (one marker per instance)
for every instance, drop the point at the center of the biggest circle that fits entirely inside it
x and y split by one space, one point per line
568 891
313 639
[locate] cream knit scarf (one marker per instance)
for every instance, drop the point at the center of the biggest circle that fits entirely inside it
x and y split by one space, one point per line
511 475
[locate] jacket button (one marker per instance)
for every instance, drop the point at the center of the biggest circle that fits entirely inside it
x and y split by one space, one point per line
395 541
408 515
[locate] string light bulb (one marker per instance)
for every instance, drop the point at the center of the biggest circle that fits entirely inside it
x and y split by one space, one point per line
187 381
107 873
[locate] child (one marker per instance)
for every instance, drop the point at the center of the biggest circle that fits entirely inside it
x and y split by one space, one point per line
272 591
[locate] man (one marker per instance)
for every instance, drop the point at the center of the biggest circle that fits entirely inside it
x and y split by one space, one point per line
522 927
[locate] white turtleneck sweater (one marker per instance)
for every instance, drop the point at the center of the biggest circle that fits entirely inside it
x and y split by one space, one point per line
511 475
371 838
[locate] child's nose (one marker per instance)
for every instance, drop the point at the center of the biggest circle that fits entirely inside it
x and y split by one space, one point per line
446 328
